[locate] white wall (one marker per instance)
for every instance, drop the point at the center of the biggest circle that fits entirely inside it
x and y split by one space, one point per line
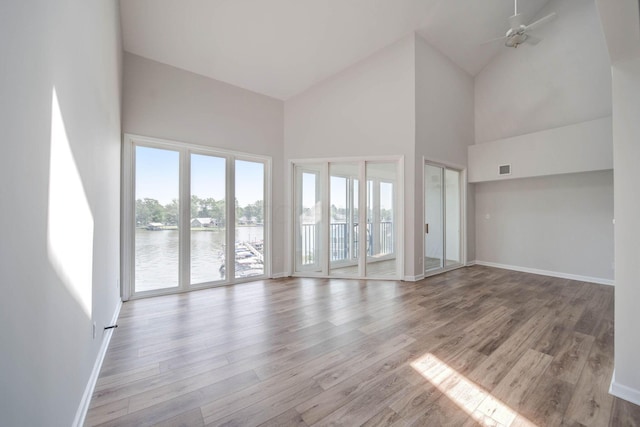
626 136
558 223
562 81
366 110
165 102
622 29
59 252
444 125
583 147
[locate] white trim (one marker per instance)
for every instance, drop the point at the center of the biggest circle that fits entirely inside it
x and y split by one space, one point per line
447 269
413 278
127 219
400 206
290 221
470 263
597 280
624 392
81 413
443 163
353 159
279 275
199 149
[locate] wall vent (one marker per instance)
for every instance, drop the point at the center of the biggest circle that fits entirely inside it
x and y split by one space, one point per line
504 170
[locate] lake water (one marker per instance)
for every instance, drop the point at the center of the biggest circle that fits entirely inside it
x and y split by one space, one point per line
156 256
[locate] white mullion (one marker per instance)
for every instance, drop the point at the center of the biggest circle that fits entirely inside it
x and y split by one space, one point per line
317 230
398 219
362 219
266 219
129 220
325 223
375 221
184 221
350 207
230 194
444 218
463 217
297 251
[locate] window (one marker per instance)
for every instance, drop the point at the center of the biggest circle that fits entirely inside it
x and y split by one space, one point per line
343 209
183 205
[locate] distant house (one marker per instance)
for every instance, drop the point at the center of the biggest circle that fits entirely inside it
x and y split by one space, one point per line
203 222
155 226
247 221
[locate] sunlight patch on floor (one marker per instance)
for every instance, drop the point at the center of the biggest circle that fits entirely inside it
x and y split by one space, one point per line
484 408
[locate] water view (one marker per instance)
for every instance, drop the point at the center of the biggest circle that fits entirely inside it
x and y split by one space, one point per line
156 257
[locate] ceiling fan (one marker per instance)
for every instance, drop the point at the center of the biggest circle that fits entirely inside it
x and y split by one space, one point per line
518 32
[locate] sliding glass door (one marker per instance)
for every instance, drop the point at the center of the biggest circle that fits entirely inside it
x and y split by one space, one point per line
453 224
308 218
443 218
157 225
380 233
207 223
249 219
194 217
345 218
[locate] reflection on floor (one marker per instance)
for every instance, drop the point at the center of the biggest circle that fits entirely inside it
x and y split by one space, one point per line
385 268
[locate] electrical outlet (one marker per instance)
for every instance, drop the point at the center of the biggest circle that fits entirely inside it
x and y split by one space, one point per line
94 330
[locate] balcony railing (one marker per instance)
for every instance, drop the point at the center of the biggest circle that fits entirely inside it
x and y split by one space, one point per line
344 241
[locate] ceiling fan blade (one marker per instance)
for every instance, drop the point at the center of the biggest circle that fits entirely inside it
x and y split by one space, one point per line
533 40
515 22
493 40
550 17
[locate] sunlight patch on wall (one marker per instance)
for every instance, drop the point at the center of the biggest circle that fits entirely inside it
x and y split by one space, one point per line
484 408
70 222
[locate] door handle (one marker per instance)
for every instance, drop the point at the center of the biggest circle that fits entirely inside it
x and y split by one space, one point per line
426 228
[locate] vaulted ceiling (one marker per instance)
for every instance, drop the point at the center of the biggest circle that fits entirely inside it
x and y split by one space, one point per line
282 47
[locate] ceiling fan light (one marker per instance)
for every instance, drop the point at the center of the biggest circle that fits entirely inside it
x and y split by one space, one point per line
515 40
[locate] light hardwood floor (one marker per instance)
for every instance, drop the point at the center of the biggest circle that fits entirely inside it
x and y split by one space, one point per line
475 346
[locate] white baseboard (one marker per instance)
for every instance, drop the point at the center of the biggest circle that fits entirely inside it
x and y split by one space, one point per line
470 263
413 278
623 392
81 414
279 275
547 273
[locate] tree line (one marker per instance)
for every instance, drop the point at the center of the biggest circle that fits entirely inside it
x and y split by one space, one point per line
151 210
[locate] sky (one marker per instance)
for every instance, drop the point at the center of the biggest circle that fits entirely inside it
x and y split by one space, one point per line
157 176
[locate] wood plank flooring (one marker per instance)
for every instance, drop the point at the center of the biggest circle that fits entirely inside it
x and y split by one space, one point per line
475 346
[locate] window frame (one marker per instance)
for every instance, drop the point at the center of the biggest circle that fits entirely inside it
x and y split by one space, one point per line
185 150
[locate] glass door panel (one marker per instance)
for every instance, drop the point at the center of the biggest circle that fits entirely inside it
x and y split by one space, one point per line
452 209
208 218
343 219
380 230
434 218
156 238
249 227
308 218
